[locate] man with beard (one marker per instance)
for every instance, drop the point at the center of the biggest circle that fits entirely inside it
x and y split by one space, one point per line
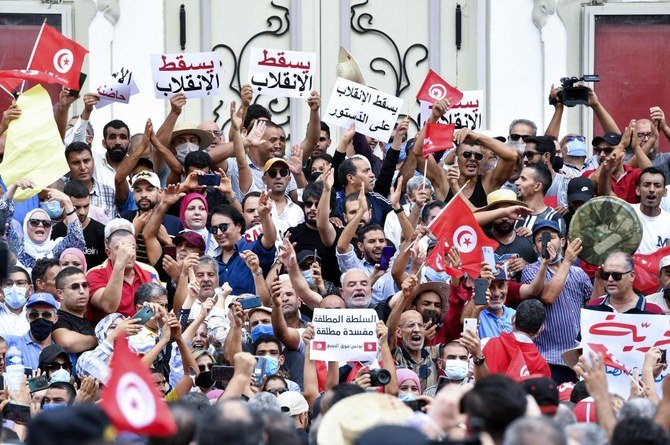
285 213
655 222
411 353
494 317
207 277
533 183
79 158
115 141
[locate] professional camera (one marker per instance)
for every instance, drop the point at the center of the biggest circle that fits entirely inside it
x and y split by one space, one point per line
379 377
571 95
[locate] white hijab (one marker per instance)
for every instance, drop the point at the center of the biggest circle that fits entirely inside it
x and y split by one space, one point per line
38 250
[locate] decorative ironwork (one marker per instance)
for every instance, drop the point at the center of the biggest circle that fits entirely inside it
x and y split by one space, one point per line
278 26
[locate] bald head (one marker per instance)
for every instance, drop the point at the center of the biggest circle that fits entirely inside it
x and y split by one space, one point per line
213 128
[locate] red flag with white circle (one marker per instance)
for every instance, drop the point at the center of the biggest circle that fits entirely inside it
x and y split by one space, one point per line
131 398
59 56
436 88
438 137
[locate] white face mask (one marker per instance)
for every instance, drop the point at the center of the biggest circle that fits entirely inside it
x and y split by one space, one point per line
60 375
15 297
456 369
184 149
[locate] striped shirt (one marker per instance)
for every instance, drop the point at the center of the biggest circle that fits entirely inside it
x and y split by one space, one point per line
548 213
561 327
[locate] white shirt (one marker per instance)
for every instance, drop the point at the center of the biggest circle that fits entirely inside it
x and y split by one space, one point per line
11 323
658 300
290 217
103 172
392 228
655 230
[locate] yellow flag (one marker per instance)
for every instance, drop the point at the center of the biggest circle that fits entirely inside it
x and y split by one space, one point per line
34 148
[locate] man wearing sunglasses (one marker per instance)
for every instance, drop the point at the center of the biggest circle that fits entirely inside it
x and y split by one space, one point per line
616 277
285 213
73 332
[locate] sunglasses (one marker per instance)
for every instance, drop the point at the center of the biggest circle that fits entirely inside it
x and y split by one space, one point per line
469 154
36 222
222 227
575 138
273 173
77 286
32 316
516 137
55 366
207 367
276 391
530 154
310 204
606 150
616 276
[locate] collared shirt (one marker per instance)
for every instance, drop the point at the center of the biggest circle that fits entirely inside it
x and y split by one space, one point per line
642 306
659 300
426 369
384 287
257 178
11 323
104 196
103 172
624 186
561 326
236 273
378 205
290 217
491 325
30 351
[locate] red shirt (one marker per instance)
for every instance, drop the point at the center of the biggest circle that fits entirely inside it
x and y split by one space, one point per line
624 187
452 327
98 278
514 358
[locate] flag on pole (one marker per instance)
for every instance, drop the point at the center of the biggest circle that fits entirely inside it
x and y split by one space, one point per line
438 137
435 88
131 399
58 56
608 357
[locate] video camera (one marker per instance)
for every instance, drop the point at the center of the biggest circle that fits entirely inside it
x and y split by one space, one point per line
571 95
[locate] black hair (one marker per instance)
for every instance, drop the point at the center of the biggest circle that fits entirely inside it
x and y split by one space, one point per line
530 316
229 211
19 269
255 111
650 171
313 190
638 430
77 147
545 144
579 392
542 175
326 128
266 338
199 159
229 423
115 124
430 206
346 168
67 272
76 189
344 390
41 266
326 157
370 227
71 392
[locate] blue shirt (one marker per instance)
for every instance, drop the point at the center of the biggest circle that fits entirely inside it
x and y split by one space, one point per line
492 326
236 272
30 350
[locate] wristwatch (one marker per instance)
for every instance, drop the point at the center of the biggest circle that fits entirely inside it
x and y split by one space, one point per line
479 361
400 210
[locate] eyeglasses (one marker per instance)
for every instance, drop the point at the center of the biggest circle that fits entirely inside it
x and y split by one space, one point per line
18 283
469 154
222 227
575 138
36 222
606 150
516 137
283 172
207 367
644 135
616 276
76 286
530 154
310 204
55 366
413 325
276 391
215 133
34 315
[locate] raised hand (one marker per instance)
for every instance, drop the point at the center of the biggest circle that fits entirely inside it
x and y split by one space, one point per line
573 250
314 100
177 103
11 113
247 95
328 179
396 193
410 286
235 118
252 261
255 136
264 206
295 161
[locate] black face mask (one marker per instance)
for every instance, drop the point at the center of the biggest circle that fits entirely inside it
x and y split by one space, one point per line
41 328
204 380
116 154
557 163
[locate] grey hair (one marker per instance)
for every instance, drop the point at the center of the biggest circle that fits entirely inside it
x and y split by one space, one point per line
417 181
147 291
208 260
586 434
630 265
527 122
564 416
264 401
638 407
344 275
534 430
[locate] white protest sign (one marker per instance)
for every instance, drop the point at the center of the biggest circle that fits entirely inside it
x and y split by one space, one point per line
624 338
373 112
118 88
344 335
194 74
280 73
467 113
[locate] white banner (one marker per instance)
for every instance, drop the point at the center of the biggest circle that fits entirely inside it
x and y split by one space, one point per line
467 113
194 74
344 335
280 73
625 338
118 88
373 112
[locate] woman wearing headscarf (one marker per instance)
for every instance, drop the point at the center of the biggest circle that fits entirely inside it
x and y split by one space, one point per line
36 242
193 212
73 257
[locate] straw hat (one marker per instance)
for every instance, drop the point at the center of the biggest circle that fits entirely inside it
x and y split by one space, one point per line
205 137
501 198
348 68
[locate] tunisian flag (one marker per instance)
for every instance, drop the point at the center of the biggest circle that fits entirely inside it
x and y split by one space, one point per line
438 137
435 88
456 226
609 358
58 56
131 399
646 270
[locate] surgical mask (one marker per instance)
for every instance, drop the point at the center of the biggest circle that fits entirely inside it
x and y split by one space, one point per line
558 259
308 276
184 149
41 328
261 329
50 406
15 297
51 208
60 375
407 397
456 369
271 365
431 274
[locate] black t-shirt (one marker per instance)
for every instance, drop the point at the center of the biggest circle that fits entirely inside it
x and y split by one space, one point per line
94 235
520 245
309 239
71 322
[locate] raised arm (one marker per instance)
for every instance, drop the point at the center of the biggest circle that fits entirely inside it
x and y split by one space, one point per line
295 166
409 288
233 343
555 285
657 118
340 153
269 231
128 164
344 243
108 298
313 126
554 126
62 111
310 378
245 176
385 179
327 231
290 337
170 196
405 224
603 116
254 265
388 362
288 258
11 113
435 173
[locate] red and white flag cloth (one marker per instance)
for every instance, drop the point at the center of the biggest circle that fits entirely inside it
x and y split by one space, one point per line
58 56
436 88
131 398
438 137
456 226
646 270
610 359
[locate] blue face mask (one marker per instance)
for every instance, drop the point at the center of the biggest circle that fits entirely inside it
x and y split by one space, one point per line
261 329
308 276
60 375
407 397
51 208
271 365
50 406
15 297
433 275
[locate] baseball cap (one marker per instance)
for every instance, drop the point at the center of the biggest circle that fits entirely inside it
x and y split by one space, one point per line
191 237
610 137
292 402
576 148
49 354
304 254
118 224
544 392
546 224
42 297
146 175
665 262
259 308
585 411
272 161
580 189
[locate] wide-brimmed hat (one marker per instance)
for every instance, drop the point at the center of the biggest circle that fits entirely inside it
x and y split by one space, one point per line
205 137
442 289
501 198
348 68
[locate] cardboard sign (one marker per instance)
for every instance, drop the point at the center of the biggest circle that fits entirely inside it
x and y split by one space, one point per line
623 339
279 73
373 112
467 113
195 74
118 88
344 335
